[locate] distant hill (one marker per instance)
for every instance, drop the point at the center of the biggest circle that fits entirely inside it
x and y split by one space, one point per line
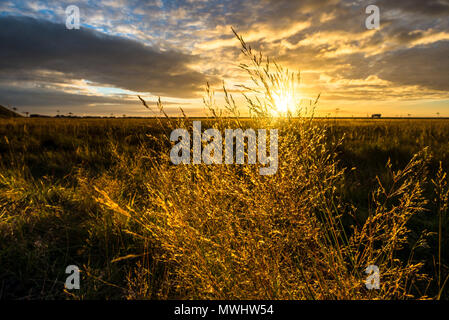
6 113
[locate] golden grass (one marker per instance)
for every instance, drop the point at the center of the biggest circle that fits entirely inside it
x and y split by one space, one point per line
226 232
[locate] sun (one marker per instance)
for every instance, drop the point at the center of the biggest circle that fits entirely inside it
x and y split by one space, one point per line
284 101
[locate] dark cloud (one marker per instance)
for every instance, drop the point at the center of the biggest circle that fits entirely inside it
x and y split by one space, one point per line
426 66
46 100
29 45
405 36
427 7
39 96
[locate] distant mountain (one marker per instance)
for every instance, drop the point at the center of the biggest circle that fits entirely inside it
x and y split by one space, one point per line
6 113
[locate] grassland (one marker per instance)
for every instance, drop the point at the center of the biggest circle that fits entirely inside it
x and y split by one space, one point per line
101 194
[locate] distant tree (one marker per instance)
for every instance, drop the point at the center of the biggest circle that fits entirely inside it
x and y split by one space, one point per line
26 113
438 114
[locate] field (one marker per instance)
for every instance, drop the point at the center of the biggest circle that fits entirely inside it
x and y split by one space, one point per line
102 194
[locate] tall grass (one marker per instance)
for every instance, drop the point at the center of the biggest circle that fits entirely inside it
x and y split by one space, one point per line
226 232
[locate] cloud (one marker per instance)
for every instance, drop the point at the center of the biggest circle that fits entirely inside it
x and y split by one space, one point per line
29 44
171 48
426 66
35 97
49 100
424 7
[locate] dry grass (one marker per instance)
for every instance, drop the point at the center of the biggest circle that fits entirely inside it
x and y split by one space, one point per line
226 232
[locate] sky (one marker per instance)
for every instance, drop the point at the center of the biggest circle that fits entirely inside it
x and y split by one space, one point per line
171 49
